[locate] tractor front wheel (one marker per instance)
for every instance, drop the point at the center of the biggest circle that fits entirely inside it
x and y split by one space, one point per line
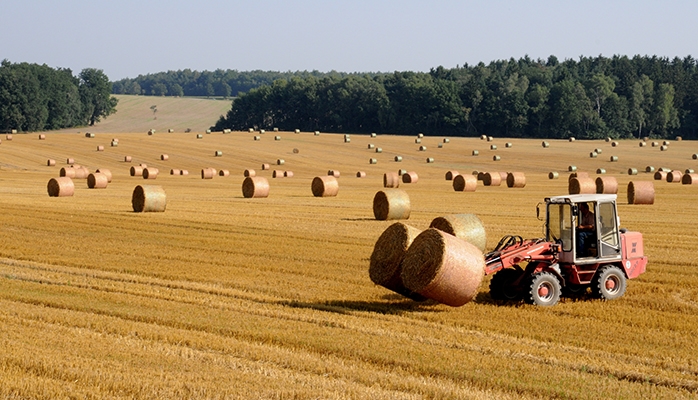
544 289
502 285
609 283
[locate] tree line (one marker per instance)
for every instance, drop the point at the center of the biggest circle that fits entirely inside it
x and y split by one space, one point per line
593 97
37 97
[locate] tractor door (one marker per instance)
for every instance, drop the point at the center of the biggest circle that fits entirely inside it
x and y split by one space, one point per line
559 227
608 231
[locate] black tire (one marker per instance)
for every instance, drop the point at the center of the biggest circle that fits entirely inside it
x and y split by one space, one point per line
609 283
571 290
501 287
544 289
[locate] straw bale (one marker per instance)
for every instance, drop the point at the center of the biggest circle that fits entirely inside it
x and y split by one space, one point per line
516 180
277 138
475 152
100 148
316 133
324 186
391 180
600 171
508 145
81 172
442 267
666 143
608 139
493 147
492 179
114 144
105 172
410 177
451 174
250 130
572 168
255 187
297 130
288 174
593 154
347 140
127 158
689 171
280 161
614 144
164 157
373 134
97 181
503 176
50 162
480 176
632 171
578 174
42 137
422 148
142 165
265 167
170 130
446 140
418 141
174 171
207 173
379 150
655 144
430 160
643 144
420 135
361 174
679 138
250 173
136 171
690 179
613 158
660 175
199 136
149 198
150 173
8 137
553 175
371 146
496 158
545 144
67 172
483 137
391 204
224 172
572 139
674 176
257 138
649 168
490 138
333 172
275 129
60 187
398 158
277 174
184 172
70 160
695 156
262 131
581 186
372 161
641 192
663 148
218 153
296 151
464 183
468 227
598 150
606 185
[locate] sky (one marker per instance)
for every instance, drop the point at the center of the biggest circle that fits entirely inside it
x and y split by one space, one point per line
130 38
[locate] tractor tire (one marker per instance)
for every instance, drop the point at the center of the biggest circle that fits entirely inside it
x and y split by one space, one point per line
544 289
501 284
609 283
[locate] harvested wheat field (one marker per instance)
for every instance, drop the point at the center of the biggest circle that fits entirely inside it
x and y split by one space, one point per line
222 296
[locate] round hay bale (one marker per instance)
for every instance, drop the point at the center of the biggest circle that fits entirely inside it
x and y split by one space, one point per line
347 140
257 138
150 173
660 175
174 171
8 137
614 144
372 161
296 151
70 160
420 135
297 130
262 131
275 129
674 177
373 134
105 172
641 192
593 154
199 136
149 198
496 158
572 139
255 187
430 160
418 141
581 185
100 148
446 140
410 177
492 179
490 138
468 227
598 150
277 138
265 167
666 143
483 137
422 148
464 183
649 168
224 172
136 171
398 158
516 180
325 186
151 132
508 145
608 139
600 171
679 138
553 175
451 174
655 144
360 174
207 173
81 172
50 162
371 146
545 144
606 185
288 174
184 172
60 187
503 176
379 150
280 161
695 156
218 153
42 137
333 172
97 181
114 144
667 170
643 144
475 152
250 173
170 130
632 171
613 158
664 148
277 174
689 179
391 204
127 158
67 172
493 147
572 168
164 157
689 171
391 180
645 138
442 267
250 130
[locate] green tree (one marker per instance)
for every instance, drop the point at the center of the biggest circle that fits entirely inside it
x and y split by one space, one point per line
640 103
95 90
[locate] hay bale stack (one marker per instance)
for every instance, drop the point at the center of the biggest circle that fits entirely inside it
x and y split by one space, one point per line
100 148
572 168
545 144
391 180
492 179
674 176
442 267
581 186
42 137
136 171
606 185
105 172
149 198
451 174
127 158
280 161
516 180
632 171
600 171
325 186
50 162
265 167
391 204
224 172
468 227
496 158
174 171
641 192
660 175
60 187
372 161
464 183
218 153
97 181
361 174
410 177
150 173
649 168
255 187
250 173
430 160
333 172
475 152
164 157
613 158
690 179
553 175
67 172
207 173
288 174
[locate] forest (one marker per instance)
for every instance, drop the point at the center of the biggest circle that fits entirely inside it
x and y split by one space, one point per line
593 97
37 97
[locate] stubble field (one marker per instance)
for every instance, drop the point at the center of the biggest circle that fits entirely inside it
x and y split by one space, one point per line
226 297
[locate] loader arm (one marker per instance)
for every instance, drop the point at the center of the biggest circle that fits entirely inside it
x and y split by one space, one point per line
512 250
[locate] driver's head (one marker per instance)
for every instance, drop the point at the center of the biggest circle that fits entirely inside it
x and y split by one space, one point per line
584 207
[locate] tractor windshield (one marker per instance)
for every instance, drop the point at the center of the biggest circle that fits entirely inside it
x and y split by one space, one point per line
560 225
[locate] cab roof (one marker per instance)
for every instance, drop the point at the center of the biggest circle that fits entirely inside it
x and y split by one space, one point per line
581 198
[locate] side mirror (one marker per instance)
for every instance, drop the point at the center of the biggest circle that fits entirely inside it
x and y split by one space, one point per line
575 210
538 212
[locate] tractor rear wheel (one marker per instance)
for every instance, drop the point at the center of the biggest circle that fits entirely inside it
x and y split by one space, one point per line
609 283
544 289
502 284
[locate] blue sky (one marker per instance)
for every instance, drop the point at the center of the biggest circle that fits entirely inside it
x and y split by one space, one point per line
128 38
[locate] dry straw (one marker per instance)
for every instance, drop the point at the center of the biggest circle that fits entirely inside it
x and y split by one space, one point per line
97 181
606 185
105 172
660 175
690 179
60 187
361 174
465 226
255 187
492 179
325 186
81 172
516 180
451 174
149 198
391 180
674 176
208 173
410 177
581 186
250 173
391 204
641 192
136 171
443 267
385 267
464 183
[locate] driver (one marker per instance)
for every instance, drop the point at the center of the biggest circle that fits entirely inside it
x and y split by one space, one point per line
586 229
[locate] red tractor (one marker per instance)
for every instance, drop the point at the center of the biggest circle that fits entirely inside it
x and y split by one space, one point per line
583 248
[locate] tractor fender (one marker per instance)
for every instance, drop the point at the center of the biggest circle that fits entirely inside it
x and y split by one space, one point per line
553 268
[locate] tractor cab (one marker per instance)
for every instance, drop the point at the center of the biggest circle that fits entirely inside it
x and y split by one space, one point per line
586 226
